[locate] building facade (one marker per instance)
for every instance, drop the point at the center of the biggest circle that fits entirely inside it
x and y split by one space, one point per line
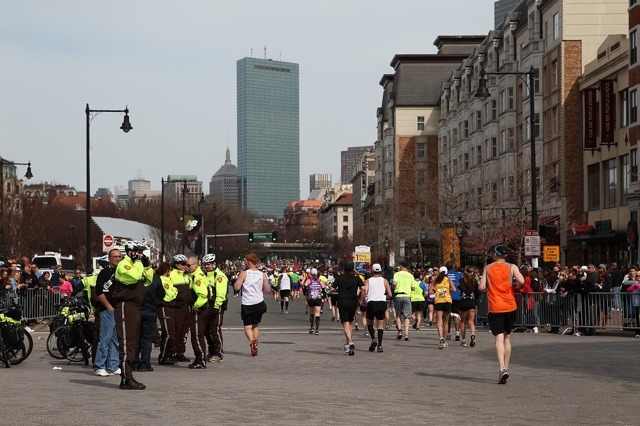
319 181
348 161
268 135
336 219
363 186
301 220
185 189
633 196
604 91
406 205
223 187
487 144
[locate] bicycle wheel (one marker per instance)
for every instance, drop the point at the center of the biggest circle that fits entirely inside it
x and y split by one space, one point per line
52 343
28 342
4 354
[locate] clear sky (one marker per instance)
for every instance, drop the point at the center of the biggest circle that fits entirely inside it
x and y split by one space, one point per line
173 63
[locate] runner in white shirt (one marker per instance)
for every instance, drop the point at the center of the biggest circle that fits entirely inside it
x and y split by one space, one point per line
253 283
285 291
376 292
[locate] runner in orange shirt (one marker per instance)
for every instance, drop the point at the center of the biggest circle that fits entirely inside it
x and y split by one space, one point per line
497 279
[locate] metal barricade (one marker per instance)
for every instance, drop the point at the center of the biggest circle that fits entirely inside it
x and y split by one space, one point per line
584 313
37 304
482 309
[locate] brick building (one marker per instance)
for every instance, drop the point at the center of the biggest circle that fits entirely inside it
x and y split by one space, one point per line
486 144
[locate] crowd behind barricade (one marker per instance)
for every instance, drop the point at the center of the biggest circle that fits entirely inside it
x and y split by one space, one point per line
136 304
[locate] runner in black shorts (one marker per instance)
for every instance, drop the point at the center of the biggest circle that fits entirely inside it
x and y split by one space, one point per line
347 285
498 280
376 291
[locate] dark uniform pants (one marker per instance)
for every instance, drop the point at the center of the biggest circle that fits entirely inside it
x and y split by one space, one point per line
145 342
168 336
127 317
181 321
197 326
214 333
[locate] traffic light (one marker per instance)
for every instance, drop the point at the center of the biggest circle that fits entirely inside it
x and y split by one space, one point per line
250 237
274 236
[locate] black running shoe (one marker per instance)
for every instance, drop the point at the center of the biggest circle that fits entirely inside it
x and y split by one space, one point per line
131 384
373 345
197 365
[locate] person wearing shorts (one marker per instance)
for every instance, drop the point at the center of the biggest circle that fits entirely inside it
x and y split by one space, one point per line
285 290
418 303
295 284
497 281
347 285
468 300
253 283
402 282
314 291
454 277
442 289
376 291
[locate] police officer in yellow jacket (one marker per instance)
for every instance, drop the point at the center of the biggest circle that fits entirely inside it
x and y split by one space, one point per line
218 286
181 304
130 276
165 313
198 285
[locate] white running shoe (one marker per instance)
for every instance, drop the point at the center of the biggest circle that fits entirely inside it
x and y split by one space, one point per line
101 372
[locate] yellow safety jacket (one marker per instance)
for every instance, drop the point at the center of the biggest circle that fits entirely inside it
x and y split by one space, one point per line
170 292
219 284
198 285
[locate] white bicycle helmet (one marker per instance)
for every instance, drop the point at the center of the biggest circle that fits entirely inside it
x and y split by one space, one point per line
209 258
179 258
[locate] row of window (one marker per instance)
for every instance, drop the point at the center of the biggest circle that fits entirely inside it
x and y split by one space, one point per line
608 181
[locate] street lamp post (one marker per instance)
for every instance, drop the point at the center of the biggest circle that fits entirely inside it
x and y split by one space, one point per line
185 191
28 175
72 228
461 232
203 202
483 93
386 245
126 127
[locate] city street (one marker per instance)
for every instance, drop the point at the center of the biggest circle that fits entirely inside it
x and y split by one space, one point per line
306 379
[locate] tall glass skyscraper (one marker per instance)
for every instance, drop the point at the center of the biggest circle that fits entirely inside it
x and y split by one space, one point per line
268 135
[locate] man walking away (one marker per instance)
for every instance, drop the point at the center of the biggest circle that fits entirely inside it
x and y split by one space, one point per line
376 292
497 280
347 285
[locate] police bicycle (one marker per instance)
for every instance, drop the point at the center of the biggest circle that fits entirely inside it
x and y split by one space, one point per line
17 342
72 337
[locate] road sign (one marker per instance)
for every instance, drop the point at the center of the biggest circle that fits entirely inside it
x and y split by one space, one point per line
362 257
107 242
531 243
551 254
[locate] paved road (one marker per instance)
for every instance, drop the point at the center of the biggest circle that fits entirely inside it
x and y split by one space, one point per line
306 379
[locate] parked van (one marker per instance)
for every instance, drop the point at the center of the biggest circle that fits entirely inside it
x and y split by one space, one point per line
49 260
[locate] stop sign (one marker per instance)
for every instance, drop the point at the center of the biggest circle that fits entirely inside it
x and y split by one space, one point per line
107 242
